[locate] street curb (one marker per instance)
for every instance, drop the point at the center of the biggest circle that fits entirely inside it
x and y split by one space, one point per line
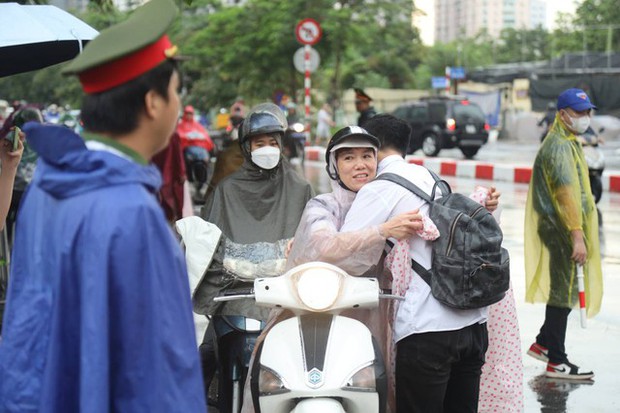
517 173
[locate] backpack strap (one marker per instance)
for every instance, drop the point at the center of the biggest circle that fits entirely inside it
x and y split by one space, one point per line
399 180
405 183
442 184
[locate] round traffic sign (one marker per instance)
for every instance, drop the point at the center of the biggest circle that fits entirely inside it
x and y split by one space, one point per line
299 60
308 31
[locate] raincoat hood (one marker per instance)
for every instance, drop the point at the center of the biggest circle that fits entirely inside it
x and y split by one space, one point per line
256 205
343 197
62 151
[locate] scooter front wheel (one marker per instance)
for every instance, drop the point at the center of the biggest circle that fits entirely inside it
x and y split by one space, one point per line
323 405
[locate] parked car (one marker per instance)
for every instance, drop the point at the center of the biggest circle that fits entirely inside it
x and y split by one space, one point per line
445 122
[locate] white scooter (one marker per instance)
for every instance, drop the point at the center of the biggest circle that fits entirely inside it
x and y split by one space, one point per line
317 360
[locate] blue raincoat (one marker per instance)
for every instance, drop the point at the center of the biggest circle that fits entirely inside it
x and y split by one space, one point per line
98 318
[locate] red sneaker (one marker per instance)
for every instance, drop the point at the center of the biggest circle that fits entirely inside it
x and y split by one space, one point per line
538 352
567 371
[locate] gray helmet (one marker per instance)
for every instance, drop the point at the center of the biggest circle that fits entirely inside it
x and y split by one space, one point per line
263 119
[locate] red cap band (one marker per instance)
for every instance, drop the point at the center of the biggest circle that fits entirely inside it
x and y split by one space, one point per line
126 68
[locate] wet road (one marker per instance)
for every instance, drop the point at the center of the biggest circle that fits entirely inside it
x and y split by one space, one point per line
596 348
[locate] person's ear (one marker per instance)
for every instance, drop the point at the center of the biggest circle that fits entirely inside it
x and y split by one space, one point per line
562 114
152 103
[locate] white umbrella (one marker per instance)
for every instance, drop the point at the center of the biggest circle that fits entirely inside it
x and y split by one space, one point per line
37 36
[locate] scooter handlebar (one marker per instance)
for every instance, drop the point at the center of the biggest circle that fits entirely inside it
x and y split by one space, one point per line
235 294
386 293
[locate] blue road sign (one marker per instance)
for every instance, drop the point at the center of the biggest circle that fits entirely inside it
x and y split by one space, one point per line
457 73
439 82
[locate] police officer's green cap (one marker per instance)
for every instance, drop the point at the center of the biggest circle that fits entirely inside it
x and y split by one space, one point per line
126 50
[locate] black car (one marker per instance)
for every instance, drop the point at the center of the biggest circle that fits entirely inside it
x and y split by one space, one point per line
440 123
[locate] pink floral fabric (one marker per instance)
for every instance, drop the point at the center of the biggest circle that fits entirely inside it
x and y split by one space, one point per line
501 384
429 231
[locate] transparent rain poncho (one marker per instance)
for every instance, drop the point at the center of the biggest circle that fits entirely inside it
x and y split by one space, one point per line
317 237
559 201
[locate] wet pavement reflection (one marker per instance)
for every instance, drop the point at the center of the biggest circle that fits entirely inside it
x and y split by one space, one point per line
552 394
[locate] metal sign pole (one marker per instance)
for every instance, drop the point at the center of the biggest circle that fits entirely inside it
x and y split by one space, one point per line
308 32
307 85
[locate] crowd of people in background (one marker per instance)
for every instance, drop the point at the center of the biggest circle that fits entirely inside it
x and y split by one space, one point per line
78 207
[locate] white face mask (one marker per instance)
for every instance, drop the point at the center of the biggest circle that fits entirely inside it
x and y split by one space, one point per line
267 157
579 125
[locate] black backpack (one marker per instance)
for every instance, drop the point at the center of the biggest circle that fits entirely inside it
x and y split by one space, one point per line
469 267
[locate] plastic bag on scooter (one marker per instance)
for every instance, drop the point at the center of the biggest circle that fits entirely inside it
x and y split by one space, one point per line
246 262
235 266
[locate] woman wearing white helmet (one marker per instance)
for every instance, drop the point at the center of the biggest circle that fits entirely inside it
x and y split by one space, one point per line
351 159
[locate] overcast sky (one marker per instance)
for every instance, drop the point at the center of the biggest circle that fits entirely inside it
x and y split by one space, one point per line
553 8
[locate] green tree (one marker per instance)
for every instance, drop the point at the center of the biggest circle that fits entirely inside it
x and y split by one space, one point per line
595 26
523 45
248 50
469 53
596 16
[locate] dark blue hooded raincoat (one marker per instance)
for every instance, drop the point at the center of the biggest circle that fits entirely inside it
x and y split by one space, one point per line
98 318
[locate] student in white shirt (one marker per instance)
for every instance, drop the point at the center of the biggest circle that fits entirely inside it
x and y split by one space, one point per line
440 350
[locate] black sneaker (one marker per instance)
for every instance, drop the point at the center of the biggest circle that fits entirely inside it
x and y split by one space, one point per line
567 371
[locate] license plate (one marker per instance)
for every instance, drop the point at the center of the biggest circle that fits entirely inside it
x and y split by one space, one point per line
470 128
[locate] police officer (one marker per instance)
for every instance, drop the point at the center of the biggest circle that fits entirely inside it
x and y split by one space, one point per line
99 314
363 106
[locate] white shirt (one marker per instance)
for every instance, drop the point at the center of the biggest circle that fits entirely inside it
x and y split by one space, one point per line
381 200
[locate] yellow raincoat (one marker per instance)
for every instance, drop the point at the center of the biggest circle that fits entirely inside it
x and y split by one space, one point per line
559 201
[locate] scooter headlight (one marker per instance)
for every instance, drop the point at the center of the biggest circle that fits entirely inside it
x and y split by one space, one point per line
363 380
270 383
318 288
298 127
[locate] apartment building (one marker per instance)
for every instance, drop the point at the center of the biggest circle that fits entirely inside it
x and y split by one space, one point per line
465 18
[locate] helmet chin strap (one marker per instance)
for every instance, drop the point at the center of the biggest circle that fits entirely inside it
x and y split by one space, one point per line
336 178
342 185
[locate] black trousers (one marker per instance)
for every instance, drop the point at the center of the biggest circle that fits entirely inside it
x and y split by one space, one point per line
208 357
553 333
439 372
563 291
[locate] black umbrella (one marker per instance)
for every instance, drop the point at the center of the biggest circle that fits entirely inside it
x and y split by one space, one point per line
37 36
